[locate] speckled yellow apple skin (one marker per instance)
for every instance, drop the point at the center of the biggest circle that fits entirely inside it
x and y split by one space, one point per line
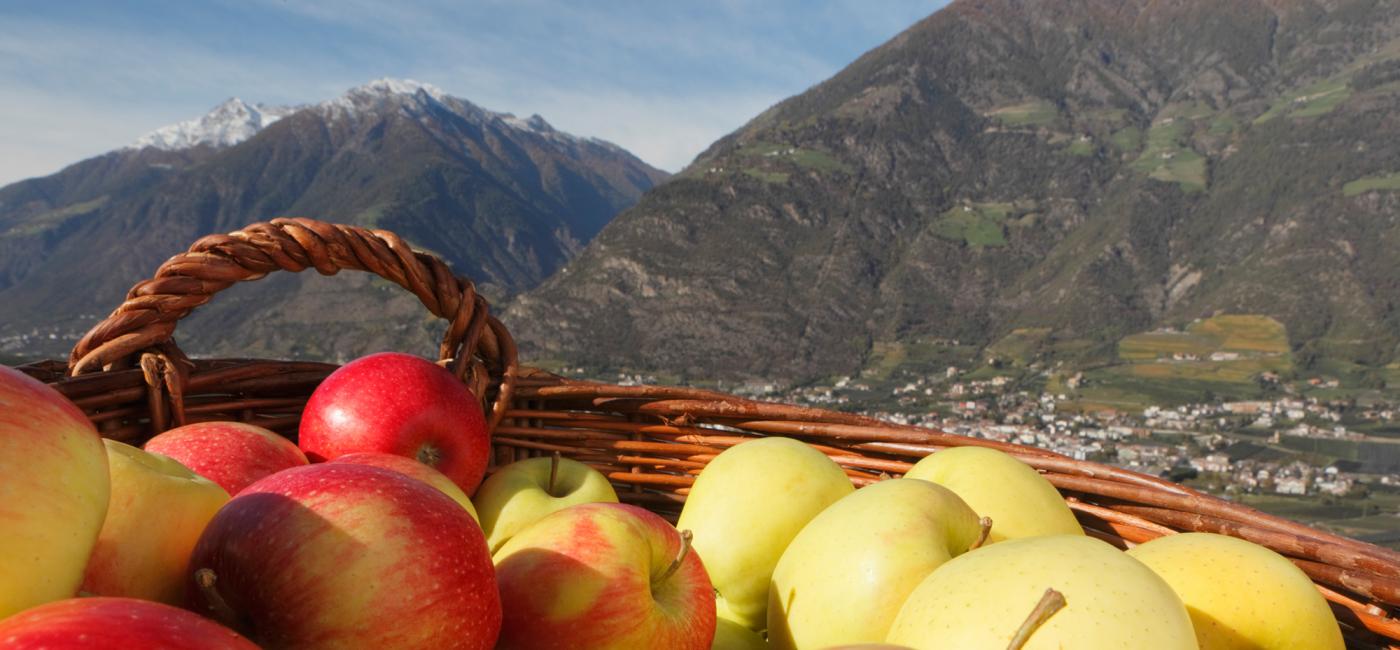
1020 502
155 514
1240 595
733 636
53 493
978 600
515 496
844 577
746 506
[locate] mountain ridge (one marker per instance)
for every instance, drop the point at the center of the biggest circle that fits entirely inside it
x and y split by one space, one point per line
1093 168
503 203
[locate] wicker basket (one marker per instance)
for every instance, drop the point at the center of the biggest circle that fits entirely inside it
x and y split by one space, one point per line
132 381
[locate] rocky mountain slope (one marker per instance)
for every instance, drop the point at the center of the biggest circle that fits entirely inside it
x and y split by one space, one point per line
505 200
1086 168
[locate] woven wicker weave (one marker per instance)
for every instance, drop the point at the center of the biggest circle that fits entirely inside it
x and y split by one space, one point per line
132 381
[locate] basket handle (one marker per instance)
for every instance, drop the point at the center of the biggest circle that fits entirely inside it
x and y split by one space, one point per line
475 341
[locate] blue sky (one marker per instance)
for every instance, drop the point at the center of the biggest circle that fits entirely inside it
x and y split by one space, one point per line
663 79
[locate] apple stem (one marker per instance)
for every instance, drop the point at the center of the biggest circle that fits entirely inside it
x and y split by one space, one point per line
206 579
985 529
686 536
553 473
1052 601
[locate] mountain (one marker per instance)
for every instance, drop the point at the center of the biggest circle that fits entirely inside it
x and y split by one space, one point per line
504 200
1069 171
226 125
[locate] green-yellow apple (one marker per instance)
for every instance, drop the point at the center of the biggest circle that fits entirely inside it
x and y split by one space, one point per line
869 646
110 623
603 575
413 469
398 404
155 514
733 636
979 600
1019 501
523 492
843 578
1242 596
232 454
746 506
53 493
336 555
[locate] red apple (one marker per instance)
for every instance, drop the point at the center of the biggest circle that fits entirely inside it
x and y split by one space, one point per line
603 575
398 404
104 623
53 493
341 555
232 454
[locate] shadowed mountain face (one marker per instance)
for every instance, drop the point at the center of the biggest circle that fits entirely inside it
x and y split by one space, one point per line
1093 167
505 201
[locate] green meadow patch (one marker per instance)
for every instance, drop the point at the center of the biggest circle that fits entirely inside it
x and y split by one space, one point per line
1384 182
978 224
1033 113
1167 158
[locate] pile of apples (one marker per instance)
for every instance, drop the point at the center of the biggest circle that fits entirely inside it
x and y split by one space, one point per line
362 535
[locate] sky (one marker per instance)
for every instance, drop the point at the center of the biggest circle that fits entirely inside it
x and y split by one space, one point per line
662 79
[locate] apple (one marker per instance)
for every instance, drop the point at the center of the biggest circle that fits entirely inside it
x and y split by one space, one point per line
53 493
156 512
340 555
843 578
746 506
733 636
1019 501
398 404
604 575
869 646
1241 595
982 599
412 469
104 623
522 492
232 454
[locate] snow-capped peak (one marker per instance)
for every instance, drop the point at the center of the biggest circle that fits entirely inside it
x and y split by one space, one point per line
225 125
235 120
400 87
384 91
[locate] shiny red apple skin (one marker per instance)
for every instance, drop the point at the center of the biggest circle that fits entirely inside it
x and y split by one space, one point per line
232 454
109 623
591 576
339 555
398 404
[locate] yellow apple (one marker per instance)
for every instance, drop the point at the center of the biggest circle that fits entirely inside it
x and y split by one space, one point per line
746 506
843 578
158 509
1240 595
978 600
1020 502
733 636
523 492
53 493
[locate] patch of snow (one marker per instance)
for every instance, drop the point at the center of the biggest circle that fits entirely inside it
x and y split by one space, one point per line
227 124
234 120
